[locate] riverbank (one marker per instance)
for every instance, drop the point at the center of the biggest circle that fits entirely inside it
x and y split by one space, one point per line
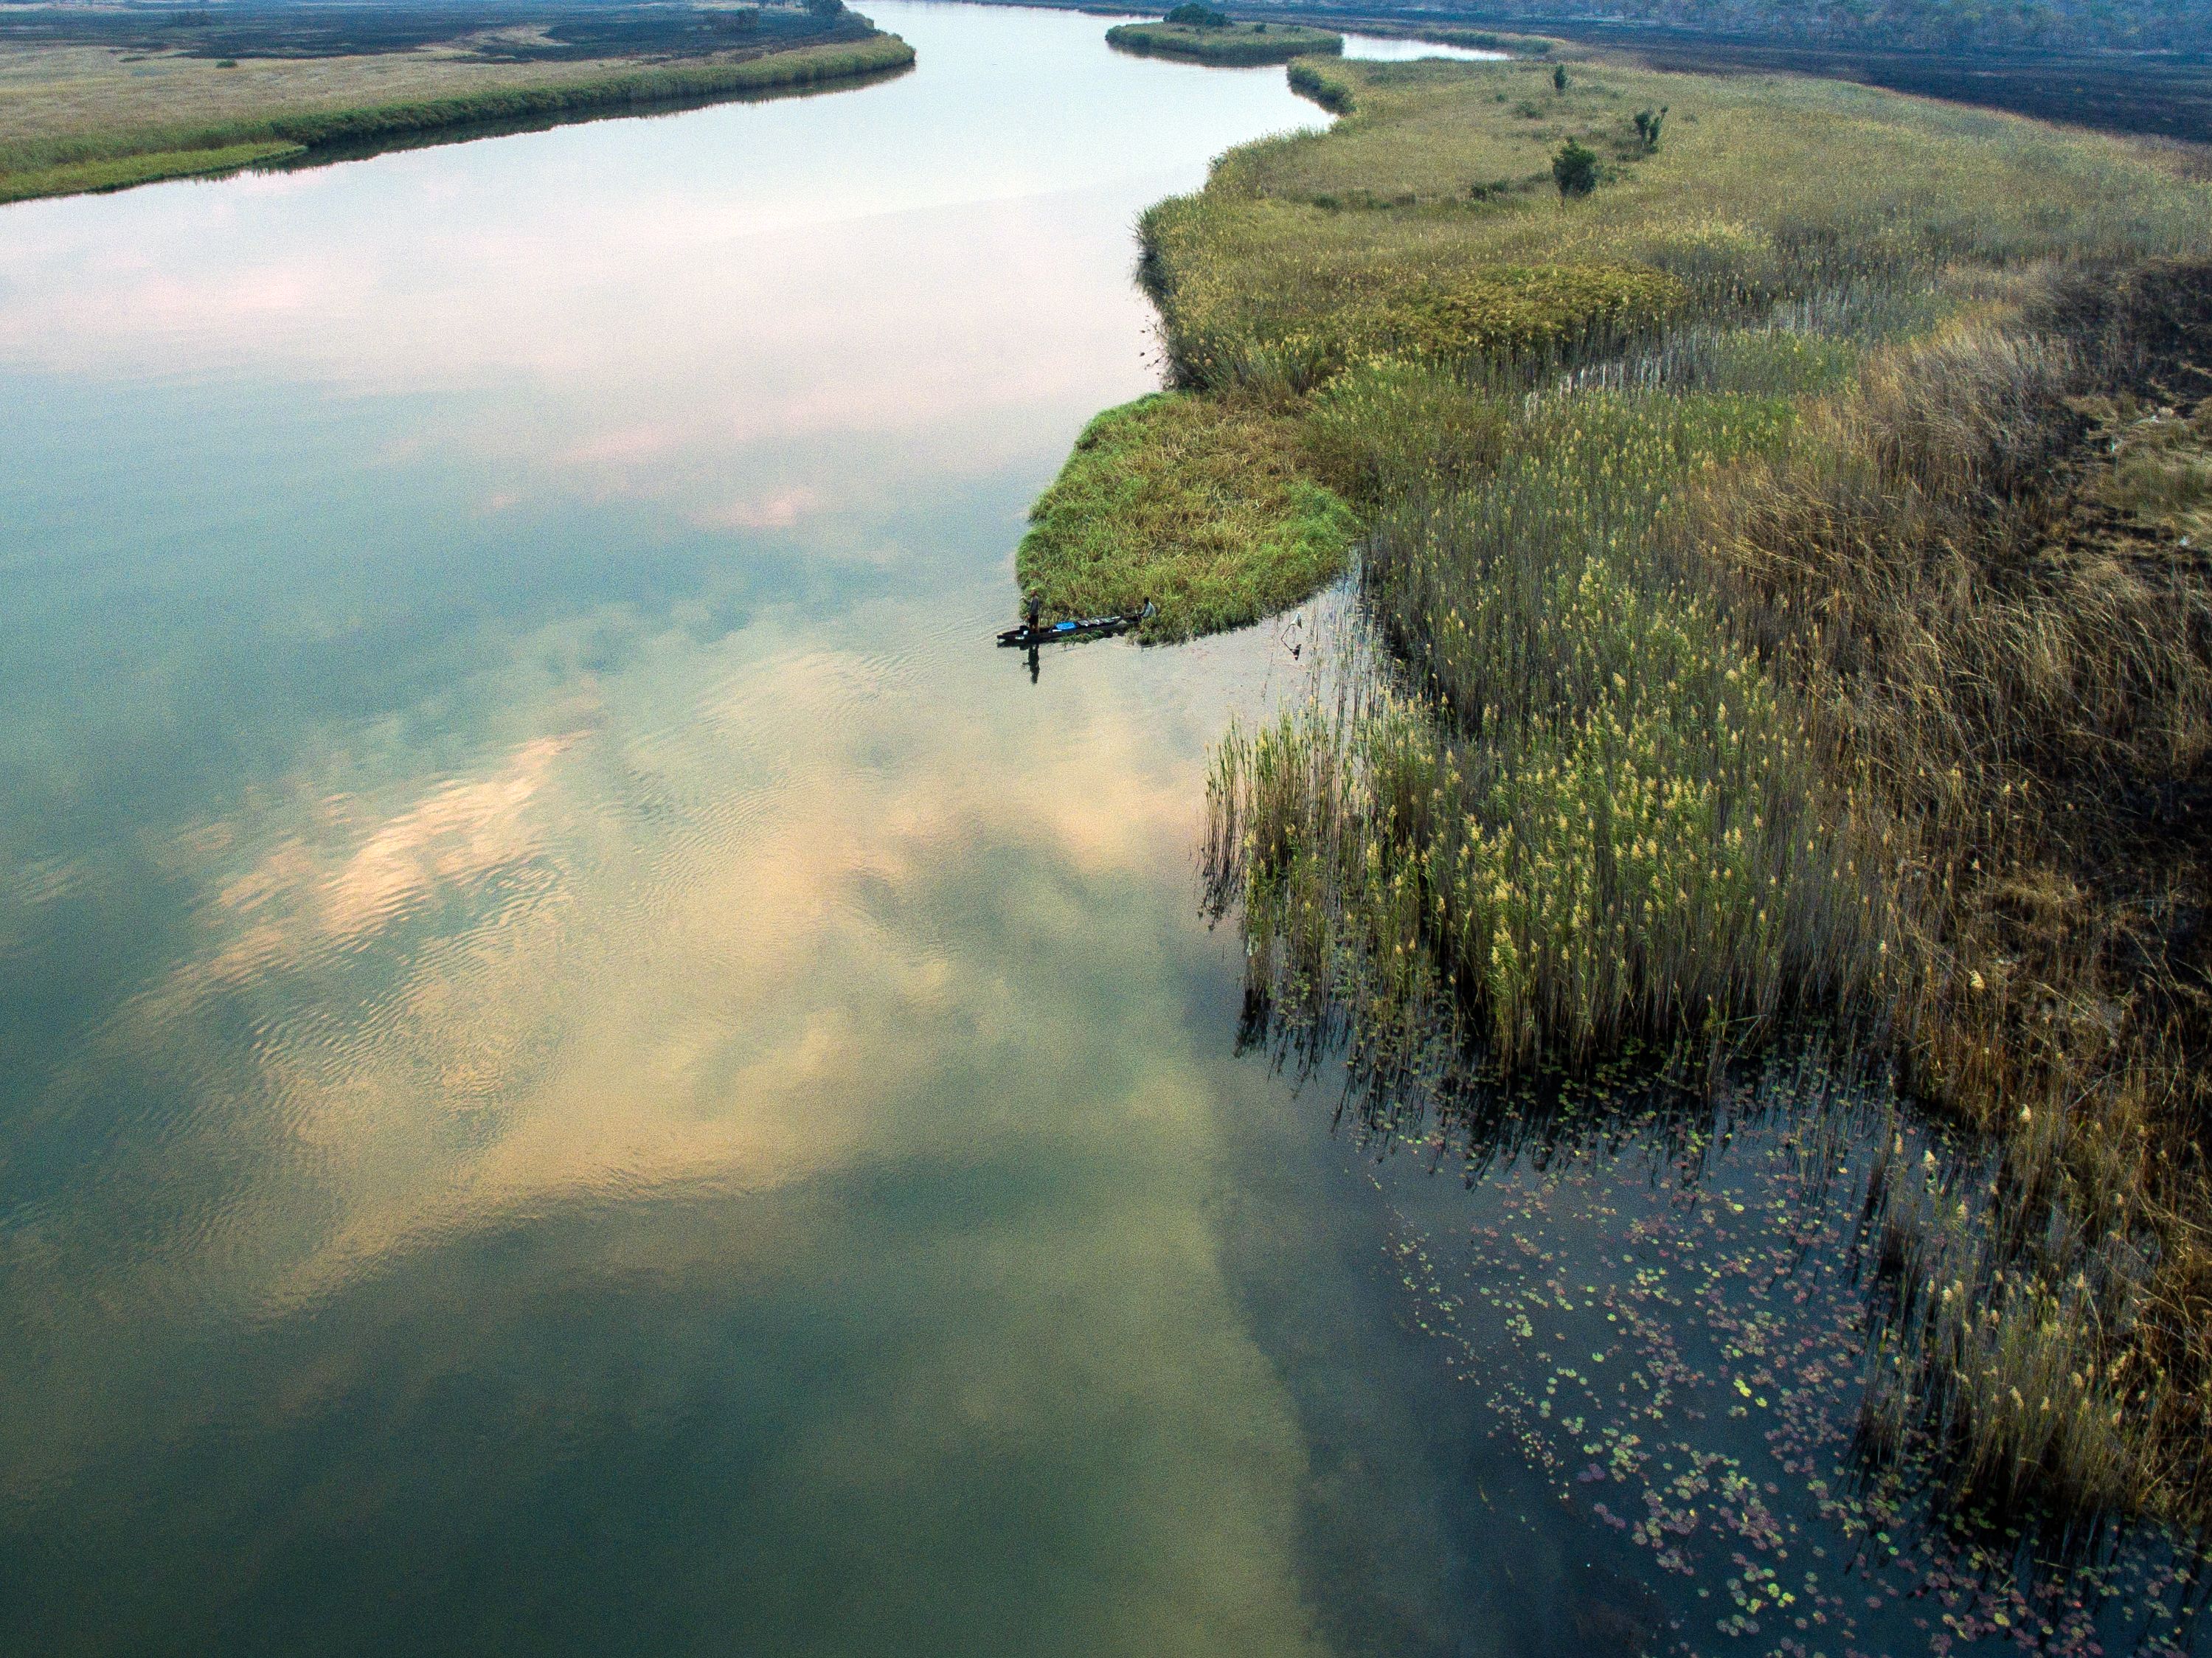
80 117
1775 636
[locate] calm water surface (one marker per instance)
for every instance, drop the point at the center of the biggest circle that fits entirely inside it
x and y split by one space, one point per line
586 1066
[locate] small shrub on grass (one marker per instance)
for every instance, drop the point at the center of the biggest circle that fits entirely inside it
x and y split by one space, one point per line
1574 169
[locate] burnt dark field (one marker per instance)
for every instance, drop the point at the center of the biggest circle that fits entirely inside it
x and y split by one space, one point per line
2169 96
2155 87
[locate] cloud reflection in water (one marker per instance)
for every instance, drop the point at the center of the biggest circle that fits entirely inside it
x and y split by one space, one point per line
629 1015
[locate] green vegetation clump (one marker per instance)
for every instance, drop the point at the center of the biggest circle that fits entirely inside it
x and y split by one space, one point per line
1574 169
1200 506
1312 80
1516 313
1796 625
1223 44
1526 46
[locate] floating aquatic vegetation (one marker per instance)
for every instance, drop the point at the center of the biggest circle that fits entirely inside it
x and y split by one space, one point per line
1666 1307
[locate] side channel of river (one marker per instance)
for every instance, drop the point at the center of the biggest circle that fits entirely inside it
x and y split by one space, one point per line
586 1068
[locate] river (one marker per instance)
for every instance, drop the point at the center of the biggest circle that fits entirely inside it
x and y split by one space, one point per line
585 1066
588 1067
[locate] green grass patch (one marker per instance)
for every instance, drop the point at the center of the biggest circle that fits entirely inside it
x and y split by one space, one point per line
1202 505
1310 79
77 178
1236 45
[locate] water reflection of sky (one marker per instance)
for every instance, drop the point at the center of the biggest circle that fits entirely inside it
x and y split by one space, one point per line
587 1068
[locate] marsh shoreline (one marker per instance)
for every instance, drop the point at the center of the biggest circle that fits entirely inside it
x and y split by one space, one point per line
101 161
1688 493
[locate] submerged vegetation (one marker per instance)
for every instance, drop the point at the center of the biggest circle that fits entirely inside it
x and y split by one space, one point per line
1783 560
80 116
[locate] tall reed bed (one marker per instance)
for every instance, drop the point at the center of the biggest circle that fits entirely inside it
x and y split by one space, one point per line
2021 1366
1583 814
1751 655
2017 684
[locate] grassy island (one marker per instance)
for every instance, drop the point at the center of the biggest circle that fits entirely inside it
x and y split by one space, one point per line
97 101
1200 506
1782 510
1225 44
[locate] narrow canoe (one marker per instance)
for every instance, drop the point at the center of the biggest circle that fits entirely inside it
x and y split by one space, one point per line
1082 626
